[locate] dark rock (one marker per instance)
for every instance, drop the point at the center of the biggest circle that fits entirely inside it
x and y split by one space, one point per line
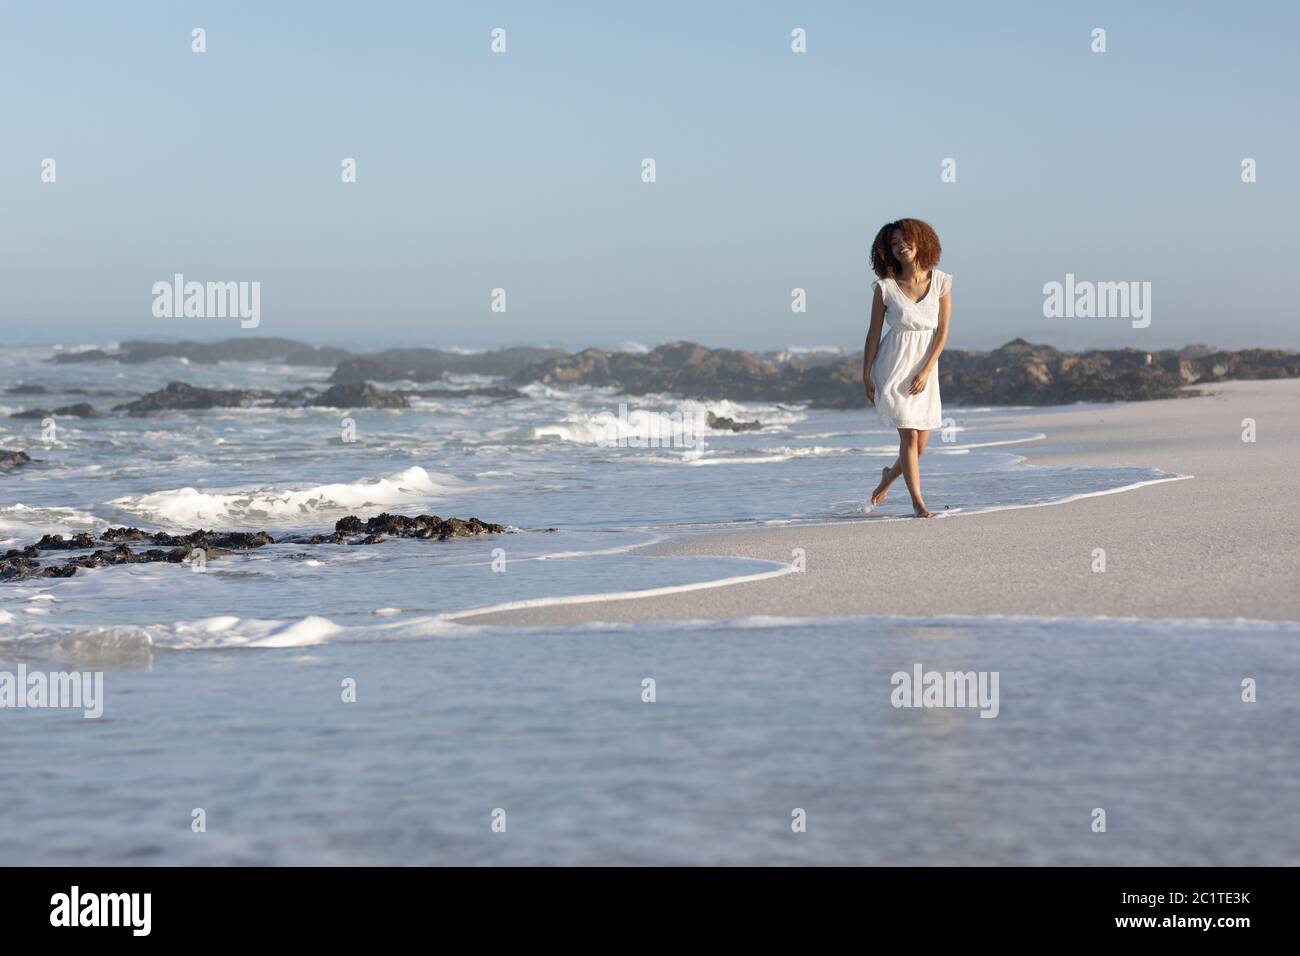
181 396
397 524
424 526
338 537
124 534
364 395
225 540
86 355
722 423
118 555
685 368
26 390
12 459
421 365
455 528
18 565
296 398
431 365
236 540
57 542
79 410
246 349
185 397
1018 373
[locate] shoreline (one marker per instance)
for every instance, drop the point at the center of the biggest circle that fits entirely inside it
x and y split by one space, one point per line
1218 541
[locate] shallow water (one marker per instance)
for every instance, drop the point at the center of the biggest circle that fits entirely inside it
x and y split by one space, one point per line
750 722
223 688
538 465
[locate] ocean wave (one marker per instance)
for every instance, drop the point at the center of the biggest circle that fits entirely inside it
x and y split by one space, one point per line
190 507
608 429
680 424
134 645
130 641
18 522
763 456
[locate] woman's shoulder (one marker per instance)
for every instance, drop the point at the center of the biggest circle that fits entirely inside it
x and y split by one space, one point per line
944 279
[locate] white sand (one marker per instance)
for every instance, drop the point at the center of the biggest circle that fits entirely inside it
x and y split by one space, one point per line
1225 544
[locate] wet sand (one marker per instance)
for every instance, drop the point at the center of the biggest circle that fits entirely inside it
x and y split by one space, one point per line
1224 543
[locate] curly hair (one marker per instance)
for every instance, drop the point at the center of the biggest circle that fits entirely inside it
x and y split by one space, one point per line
918 233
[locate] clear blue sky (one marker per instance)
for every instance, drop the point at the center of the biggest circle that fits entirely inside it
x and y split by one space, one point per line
523 170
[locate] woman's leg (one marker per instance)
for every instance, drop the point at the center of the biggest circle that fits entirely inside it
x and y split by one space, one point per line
888 476
911 443
891 474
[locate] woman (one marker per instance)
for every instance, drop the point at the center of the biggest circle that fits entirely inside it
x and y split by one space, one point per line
899 370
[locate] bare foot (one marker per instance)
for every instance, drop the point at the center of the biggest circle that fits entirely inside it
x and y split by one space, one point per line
882 489
921 511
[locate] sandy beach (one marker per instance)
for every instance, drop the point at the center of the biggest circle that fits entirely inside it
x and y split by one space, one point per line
1220 544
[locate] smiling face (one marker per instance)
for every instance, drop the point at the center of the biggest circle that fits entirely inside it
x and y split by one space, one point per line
904 245
904 251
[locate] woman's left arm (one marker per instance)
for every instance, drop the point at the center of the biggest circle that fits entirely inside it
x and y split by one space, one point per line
937 342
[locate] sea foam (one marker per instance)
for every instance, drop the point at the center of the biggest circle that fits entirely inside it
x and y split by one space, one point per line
190 507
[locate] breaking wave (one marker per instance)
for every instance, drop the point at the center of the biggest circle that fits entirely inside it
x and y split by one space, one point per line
190 507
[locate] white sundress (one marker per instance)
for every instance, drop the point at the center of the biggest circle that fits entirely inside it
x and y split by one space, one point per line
902 352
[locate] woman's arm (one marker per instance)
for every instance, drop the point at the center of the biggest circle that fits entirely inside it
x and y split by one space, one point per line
937 342
873 343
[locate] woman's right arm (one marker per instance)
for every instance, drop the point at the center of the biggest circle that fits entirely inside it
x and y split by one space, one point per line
873 343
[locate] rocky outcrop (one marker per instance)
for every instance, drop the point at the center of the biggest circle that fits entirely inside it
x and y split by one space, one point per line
364 395
79 410
431 365
13 459
248 349
182 396
722 423
86 355
1022 373
376 529
685 368
1018 373
29 562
